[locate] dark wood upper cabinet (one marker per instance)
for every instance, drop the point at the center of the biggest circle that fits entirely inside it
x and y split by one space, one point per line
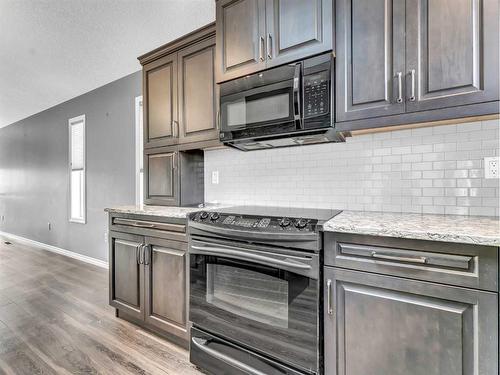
126 274
160 102
452 53
197 93
370 58
420 60
179 91
253 35
166 286
161 182
173 177
297 28
241 26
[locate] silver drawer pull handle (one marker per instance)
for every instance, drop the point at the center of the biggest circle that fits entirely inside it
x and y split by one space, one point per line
143 225
421 260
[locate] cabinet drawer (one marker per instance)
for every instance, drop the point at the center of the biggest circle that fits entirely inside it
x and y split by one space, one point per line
146 227
448 263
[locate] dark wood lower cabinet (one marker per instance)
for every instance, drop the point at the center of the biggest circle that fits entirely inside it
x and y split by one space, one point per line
166 286
387 325
148 279
126 275
409 307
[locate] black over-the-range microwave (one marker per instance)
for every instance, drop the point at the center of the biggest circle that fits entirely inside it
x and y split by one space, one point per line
283 106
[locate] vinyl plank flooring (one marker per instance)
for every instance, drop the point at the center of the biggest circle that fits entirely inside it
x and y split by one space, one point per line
55 319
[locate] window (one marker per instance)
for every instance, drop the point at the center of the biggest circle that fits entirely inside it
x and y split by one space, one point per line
139 161
77 208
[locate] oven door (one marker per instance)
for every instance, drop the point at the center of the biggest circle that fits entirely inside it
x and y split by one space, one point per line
263 301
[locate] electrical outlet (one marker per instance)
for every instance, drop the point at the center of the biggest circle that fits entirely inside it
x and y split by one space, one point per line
106 237
49 225
3 217
491 167
215 177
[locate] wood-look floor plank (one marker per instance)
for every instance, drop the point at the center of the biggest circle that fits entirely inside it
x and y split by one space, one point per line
55 319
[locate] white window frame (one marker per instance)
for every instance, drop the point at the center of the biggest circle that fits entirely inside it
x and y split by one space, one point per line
82 220
139 148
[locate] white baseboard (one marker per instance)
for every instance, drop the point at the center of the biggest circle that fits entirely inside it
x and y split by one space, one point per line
54 249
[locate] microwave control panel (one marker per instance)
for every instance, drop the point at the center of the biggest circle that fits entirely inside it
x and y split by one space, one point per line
316 94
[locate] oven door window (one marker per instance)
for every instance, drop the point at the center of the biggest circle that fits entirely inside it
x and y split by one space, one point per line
251 294
270 310
254 108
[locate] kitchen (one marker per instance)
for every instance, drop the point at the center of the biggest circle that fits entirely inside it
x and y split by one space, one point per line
320 195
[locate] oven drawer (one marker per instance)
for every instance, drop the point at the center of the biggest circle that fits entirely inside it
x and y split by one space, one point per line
448 263
218 356
149 226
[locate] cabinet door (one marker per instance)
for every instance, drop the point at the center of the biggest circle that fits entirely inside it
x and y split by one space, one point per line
166 286
452 50
197 95
160 102
370 58
240 30
383 325
126 275
297 29
161 179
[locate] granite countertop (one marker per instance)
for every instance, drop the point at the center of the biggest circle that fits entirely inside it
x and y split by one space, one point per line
164 211
477 230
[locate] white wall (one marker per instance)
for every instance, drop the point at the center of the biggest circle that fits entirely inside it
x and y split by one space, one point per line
428 170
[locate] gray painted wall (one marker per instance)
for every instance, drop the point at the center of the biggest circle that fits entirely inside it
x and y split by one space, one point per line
34 188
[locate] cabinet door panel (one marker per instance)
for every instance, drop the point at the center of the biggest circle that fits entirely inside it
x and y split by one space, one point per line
452 46
126 274
160 80
166 286
197 96
240 26
412 327
297 29
161 177
370 54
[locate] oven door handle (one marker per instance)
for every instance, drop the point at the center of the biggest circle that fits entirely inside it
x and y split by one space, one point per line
245 255
202 344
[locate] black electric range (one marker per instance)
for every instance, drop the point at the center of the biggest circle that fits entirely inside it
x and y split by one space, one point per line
255 289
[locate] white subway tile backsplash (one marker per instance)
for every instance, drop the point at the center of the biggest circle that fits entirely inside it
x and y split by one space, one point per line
428 170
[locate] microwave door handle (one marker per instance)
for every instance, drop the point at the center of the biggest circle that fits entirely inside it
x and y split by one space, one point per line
297 105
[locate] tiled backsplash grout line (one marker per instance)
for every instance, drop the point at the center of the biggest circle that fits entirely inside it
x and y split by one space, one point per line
426 170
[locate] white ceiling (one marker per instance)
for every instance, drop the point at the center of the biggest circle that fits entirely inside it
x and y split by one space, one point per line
54 50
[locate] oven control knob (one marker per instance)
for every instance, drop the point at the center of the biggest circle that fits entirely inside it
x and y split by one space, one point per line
301 223
203 215
284 222
215 216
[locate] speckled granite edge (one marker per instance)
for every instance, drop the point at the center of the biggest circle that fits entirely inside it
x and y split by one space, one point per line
161 211
445 228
